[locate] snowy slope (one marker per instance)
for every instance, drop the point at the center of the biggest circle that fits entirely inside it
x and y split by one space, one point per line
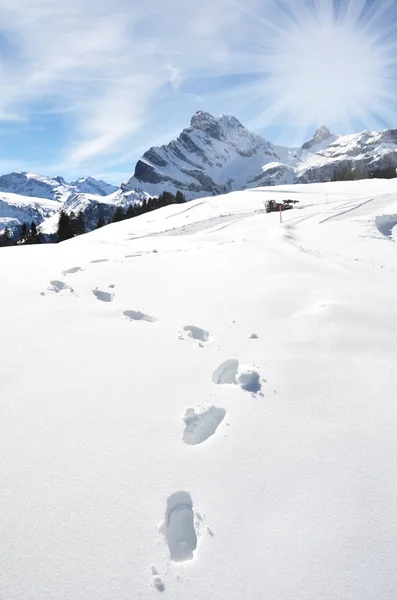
16 209
218 154
33 192
131 468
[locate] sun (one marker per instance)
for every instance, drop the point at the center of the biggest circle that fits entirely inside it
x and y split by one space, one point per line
331 67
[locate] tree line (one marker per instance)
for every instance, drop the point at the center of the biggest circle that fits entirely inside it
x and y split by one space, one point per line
71 225
25 234
351 172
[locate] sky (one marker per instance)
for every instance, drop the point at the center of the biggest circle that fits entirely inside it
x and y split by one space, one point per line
88 85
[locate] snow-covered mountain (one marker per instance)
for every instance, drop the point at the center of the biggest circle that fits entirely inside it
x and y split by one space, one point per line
199 403
212 156
16 209
218 154
29 196
97 187
93 208
52 188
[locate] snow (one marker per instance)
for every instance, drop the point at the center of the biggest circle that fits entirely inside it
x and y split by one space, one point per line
139 459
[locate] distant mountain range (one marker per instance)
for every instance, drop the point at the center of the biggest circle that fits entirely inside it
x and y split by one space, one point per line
214 155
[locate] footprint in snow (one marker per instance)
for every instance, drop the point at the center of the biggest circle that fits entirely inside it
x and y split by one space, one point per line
103 296
201 425
232 373
59 286
197 333
100 260
137 315
72 270
156 579
179 527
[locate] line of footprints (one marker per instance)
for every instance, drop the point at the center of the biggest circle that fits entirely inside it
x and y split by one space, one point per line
182 523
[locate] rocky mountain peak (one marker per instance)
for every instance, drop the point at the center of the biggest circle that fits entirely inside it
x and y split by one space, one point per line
321 134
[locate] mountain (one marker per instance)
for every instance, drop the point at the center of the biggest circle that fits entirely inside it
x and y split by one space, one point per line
35 186
218 154
93 208
16 209
213 156
199 403
29 196
89 185
52 188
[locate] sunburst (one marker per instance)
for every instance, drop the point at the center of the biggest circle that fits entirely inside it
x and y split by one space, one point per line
330 62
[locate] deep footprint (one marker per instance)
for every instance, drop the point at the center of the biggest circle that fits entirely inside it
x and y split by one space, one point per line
202 425
103 296
137 315
249 380
197 333
226 373
180 533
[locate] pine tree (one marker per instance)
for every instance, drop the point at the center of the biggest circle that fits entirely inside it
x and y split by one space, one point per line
119 215
100 223
23 234
130 212
6 238
180 198
79 225
65 226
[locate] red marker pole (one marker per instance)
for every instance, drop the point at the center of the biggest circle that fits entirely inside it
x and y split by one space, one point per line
281 213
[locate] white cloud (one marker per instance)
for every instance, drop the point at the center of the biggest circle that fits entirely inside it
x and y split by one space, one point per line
106 65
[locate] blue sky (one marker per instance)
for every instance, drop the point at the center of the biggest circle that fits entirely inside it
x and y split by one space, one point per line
88 85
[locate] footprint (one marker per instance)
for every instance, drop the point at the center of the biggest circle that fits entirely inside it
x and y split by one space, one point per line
197 333
100 260
112 285
248 379
180 533
59 286
157 581
103 296
254 336
226 372
231 372
137 315
72 270
201 425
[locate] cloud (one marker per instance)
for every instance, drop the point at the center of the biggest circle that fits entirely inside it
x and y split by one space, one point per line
109 68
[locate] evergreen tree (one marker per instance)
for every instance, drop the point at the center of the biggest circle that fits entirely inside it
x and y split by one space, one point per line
119 215
23 234
100 223
180 198
6 238
130 212
65 226
79 224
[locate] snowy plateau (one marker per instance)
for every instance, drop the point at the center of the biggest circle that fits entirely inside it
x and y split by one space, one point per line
200 403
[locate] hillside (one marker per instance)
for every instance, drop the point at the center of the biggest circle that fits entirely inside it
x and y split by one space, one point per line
199 403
